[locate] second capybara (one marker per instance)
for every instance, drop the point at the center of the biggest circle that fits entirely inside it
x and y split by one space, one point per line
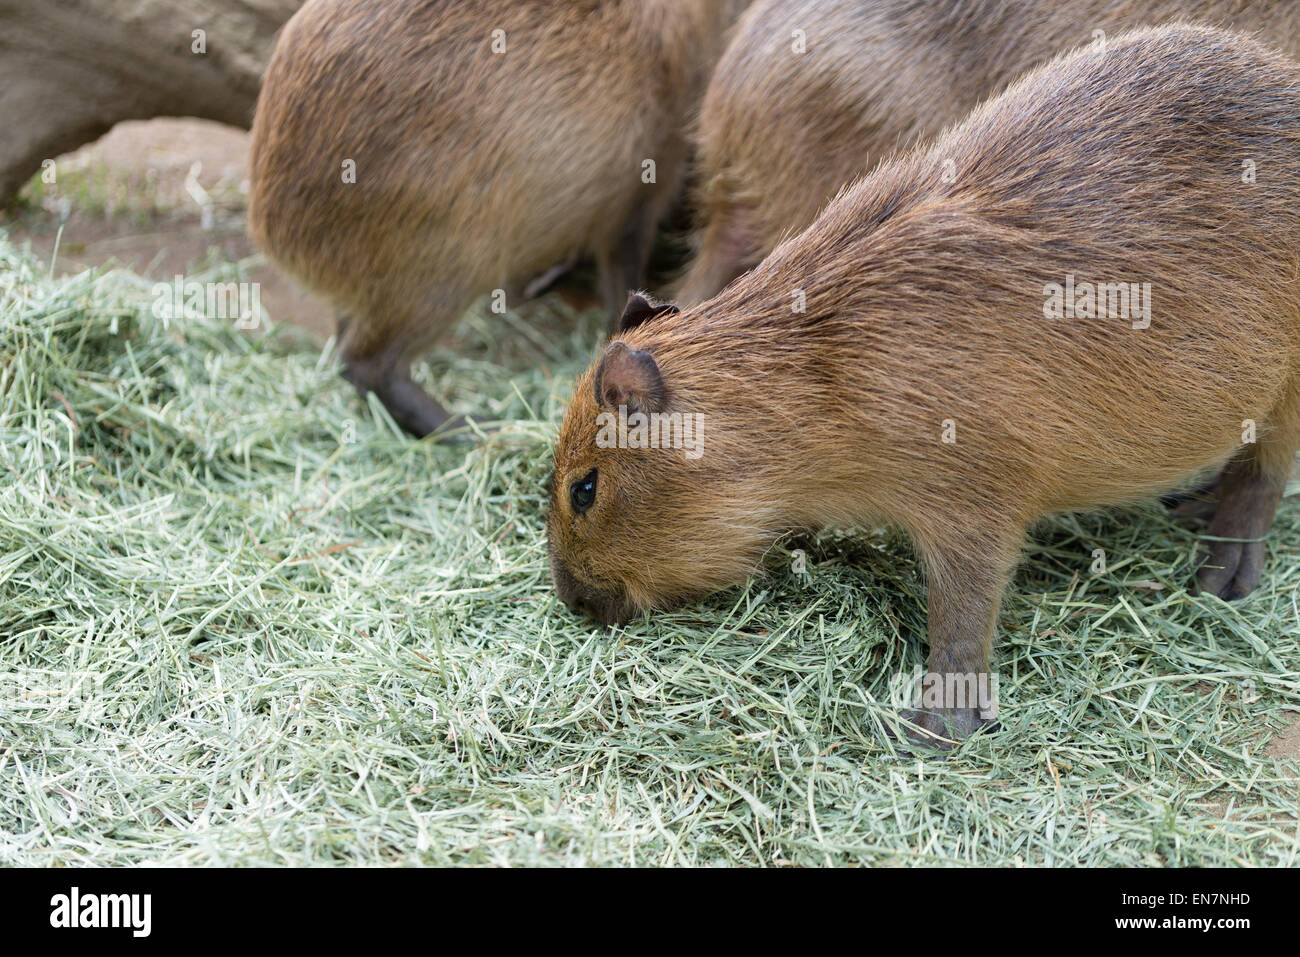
811 94
409 156
1082 295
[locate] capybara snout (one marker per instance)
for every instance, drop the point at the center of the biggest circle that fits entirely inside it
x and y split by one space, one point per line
1075 298
608 608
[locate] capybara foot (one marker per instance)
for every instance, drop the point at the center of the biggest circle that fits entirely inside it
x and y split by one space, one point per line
1230 569
939 729
411 407
1232 557
408 404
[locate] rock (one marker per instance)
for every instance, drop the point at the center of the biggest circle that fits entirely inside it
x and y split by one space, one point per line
71 69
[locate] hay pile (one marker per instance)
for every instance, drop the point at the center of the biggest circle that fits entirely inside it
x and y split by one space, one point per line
244 621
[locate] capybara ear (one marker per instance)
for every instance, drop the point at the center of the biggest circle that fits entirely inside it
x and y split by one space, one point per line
641 307
629 377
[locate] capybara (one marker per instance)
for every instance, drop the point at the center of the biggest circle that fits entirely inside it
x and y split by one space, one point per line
791 117
409 156
1095 300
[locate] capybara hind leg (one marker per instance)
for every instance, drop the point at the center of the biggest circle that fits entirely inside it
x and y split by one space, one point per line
539 284
728 246
966 581
621 269
1232 557
1197 504
388 376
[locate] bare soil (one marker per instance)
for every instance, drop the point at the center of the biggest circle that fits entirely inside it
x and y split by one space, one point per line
137 198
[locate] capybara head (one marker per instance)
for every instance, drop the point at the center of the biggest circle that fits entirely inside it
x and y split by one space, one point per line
642 513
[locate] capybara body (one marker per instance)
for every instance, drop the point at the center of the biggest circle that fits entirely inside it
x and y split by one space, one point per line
904 358
409 156
781 131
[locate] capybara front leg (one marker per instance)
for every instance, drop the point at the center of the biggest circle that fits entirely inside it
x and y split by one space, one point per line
958 694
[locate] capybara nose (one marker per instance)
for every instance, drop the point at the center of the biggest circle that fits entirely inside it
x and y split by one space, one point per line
565 586
583 607
607 608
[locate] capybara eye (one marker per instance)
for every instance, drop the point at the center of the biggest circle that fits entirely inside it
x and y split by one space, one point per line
583 492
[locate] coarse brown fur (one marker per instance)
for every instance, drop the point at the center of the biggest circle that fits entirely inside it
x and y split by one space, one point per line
781 132
475 170
924 318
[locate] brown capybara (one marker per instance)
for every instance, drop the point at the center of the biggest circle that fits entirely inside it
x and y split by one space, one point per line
1101 302
409 156
811 94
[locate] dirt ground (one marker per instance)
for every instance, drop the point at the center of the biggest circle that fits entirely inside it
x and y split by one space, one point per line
162 197
167 197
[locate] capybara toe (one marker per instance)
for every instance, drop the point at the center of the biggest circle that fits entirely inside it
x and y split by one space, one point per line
937 730
1231 570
